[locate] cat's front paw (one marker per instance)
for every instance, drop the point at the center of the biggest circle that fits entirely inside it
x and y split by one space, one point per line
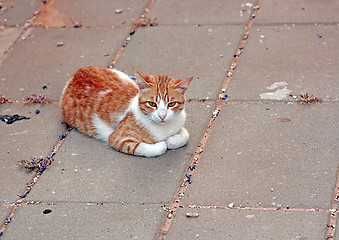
151 150
178 140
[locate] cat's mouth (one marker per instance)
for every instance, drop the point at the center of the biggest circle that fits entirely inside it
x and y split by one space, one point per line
160 122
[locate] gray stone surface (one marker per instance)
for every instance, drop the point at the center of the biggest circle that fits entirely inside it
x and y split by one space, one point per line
86 221
86 169
290 11
4 212
44 63
16 12
185 51
292 55
7 38
86 12
192 12
222 224
25 139
270 156
261 152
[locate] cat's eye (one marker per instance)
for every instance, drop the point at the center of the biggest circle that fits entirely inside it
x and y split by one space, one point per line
172 104
152 104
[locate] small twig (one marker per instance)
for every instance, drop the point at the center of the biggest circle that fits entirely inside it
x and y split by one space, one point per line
3 99
38 99
308 99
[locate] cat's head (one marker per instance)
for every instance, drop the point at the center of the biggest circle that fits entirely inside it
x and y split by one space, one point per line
161 97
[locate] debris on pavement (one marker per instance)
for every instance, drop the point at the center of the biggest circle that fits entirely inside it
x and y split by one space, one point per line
192 215
42 163
145 22
224 97
25 193
76 24
3 99
308 99
62 136
38 99
37 163
118 11
8 119
60 44
215 113
231 205
47 211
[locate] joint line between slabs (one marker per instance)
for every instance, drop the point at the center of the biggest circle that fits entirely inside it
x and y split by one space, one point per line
28 102
29 186
254 208
331 223
2 58
199 150
9 219
129 37
239 51
185 180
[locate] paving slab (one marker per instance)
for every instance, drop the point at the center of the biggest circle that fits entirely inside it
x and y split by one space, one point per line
184 51
88 13
7 38
283 60
87 170
248 224
201 12
4 212
17 12
269 155
86 221
300 11
25 139
36 60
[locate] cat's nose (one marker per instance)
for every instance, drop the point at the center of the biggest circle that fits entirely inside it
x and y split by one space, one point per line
162 114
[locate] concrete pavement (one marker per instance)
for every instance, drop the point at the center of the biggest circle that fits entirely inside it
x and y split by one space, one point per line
259 163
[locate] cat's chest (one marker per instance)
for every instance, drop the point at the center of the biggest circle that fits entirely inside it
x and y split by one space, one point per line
162 132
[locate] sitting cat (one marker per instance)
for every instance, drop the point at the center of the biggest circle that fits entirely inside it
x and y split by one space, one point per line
143 117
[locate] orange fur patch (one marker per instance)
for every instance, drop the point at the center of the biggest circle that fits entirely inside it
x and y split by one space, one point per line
82 98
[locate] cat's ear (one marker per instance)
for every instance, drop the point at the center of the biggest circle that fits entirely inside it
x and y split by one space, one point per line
142 81
182 84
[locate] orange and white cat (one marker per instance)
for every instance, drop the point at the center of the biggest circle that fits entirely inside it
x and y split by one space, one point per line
143 117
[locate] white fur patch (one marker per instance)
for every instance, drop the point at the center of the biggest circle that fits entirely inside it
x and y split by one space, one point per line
151 150
102 129
63 91
178 140
102 93
123 76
